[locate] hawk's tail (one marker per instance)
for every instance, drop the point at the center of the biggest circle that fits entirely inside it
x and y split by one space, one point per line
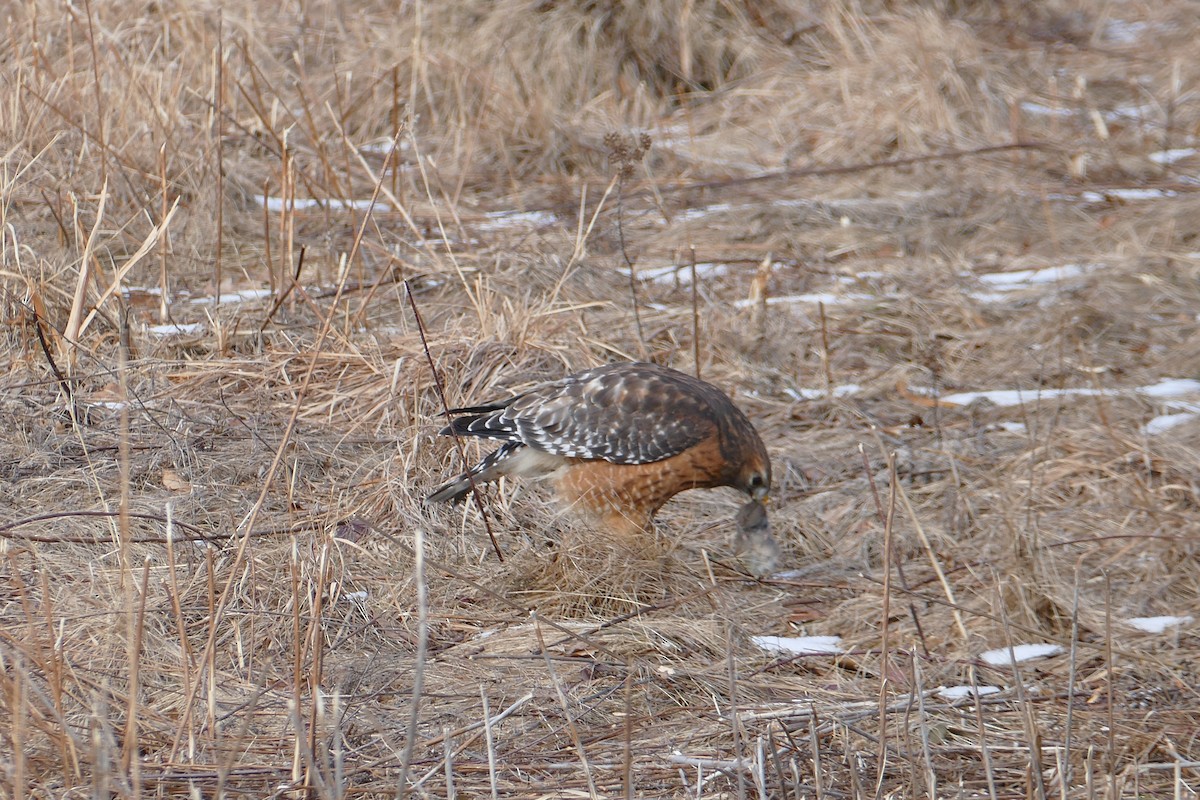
486 470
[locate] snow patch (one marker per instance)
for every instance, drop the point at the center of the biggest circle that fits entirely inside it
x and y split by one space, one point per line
1172 387
813 298
176 329
845 390
1125 112
240 296
1122 31
681 274
1157 624
1165 422
499 220
1173 155
800 645
961 692
384 146
1020 652
1127 194
278 204
1166 388
1008 281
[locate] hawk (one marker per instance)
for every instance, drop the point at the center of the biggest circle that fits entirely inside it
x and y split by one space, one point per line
617 441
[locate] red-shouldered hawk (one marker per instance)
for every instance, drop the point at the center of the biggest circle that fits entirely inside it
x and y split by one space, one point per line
617 441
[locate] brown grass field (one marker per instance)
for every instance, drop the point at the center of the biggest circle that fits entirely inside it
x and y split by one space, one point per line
217 575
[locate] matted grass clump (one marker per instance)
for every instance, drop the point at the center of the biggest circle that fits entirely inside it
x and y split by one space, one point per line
944 255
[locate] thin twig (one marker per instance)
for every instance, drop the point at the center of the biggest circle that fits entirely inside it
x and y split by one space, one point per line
847 169
884 520
885 624
414 717
491 744
633 294
284 294
462 451
219 123
572 728
695 317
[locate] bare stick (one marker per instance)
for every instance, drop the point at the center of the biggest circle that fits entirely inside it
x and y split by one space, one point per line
825 354
937 567
75 320
633 295
130 752
64 384
462 452
266 219
572 728
984 750
1064 773
814 744
491 745
219 122
883 520
414 716
101 111
627 765
885 615
1111 756
848 169
164 296
284 294
1033 738
734 721
185 646
923 724
695 318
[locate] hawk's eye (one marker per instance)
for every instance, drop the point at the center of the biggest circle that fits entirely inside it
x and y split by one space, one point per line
756 481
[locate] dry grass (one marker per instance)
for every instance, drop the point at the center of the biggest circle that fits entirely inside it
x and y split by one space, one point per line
209 584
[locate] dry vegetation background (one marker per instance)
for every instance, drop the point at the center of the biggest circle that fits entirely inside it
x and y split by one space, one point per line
209 583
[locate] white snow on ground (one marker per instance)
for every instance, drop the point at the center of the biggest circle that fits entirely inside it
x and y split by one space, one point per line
1000 284
1021 279
498 220
1173 155
960 692
240 296
845 390
703 211
682 273
1172 387
278 204
1020 652
1123 31
1127 194
1157 624
1165 422
384 146
1165 389
1116 114
1040 110
827 298
800 645
179 329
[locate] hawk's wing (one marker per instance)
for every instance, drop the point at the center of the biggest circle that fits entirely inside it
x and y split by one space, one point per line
623 413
